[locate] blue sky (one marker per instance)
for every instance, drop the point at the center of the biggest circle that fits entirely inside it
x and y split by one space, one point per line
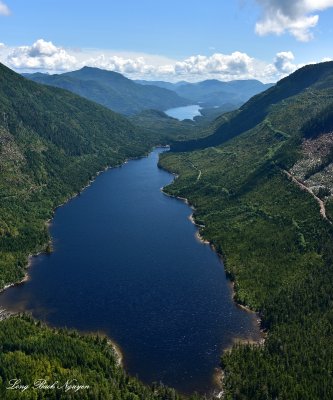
264 39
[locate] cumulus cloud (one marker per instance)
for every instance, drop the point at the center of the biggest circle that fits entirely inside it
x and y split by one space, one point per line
295 17
224 66
120 64
235 64
283 62
4 10
41 55
47 57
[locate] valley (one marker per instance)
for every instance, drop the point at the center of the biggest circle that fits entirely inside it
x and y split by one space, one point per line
260 181
273 235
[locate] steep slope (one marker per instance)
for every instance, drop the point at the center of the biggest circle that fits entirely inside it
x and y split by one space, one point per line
270 229
112 90
51 143
311 77
168 128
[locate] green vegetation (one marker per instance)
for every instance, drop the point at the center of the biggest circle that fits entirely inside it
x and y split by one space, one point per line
258 107
322 122
164 128
276 246
329 209
30 351
51 144
113 90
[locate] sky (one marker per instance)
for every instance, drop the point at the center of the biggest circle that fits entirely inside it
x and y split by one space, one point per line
170 40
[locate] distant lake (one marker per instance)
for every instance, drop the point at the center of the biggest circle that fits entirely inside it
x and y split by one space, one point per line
126 262
181 113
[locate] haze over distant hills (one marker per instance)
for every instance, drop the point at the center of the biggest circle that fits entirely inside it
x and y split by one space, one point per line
261 186
260 179
213 92
112 90
128 97
258 107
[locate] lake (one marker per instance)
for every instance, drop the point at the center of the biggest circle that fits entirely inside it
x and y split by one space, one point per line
127 263
181 113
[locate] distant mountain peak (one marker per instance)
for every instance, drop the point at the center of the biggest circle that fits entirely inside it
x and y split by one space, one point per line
113 90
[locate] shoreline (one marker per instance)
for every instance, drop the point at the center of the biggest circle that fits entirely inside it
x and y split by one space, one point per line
26 273
205 241
218 374
218 377
48 222
115 347
117 352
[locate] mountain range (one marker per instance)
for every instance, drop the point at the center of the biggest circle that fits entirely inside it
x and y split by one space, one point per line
52 143
255 111
213 92
112 90
128 97
260 182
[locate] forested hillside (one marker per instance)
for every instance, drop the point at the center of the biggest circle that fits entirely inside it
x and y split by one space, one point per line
113 90
315 77
252 206
31 352
51 144
270 230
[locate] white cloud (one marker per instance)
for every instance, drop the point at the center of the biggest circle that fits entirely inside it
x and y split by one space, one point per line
47 57
282 65
283 62
120 64
222 66
235 64
293 16
4 10
41 55
225 67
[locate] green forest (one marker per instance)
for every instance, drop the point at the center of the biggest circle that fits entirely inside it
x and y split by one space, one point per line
275 245
277 248
52 143
32 351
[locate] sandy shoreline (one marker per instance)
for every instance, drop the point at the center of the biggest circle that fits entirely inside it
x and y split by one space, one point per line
117 352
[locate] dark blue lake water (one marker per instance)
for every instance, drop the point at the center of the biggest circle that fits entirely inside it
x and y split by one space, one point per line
187 112
126 262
